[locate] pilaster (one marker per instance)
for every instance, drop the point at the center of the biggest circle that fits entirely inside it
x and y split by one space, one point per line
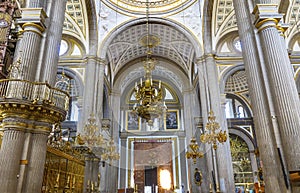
92 88
208 159
223 157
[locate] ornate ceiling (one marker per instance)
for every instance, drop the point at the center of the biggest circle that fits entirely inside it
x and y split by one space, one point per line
156 7
174 46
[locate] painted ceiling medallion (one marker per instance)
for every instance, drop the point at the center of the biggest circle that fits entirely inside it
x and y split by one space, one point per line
157 7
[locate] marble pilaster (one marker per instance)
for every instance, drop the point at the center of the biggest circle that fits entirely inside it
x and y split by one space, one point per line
89 91
204 112
224 160
100 85
260 105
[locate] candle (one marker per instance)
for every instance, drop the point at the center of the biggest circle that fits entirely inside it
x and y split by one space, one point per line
57 179
141 82
135 85
159 84
210 186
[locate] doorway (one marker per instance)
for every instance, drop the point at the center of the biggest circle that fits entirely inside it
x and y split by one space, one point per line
151 179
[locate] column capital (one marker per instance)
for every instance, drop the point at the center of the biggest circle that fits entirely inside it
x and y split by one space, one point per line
33 17
204 57
266 15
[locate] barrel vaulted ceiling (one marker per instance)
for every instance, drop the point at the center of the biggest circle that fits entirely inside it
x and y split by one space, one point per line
174 45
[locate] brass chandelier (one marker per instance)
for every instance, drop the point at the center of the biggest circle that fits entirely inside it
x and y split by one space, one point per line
149 95
213 135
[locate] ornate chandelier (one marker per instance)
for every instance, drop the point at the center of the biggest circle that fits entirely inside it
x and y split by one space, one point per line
213 135
194 153
149 96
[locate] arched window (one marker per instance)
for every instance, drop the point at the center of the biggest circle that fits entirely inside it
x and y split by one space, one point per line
236 108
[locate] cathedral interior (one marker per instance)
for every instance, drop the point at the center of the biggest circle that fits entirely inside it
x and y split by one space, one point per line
149 96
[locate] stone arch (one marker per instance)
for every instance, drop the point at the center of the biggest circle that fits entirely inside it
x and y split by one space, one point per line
196 44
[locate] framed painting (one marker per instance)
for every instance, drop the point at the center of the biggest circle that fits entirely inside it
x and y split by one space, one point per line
172 119
132 121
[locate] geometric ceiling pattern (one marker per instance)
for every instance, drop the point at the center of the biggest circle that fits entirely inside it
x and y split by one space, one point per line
174 46
223 10
75 16
294 16
156 7
237 82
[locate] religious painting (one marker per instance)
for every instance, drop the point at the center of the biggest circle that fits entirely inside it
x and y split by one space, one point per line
132 121
197 177
172 119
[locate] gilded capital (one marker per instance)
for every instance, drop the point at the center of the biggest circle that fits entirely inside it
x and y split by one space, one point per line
266 15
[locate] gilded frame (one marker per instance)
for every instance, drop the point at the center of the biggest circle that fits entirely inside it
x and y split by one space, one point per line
172 121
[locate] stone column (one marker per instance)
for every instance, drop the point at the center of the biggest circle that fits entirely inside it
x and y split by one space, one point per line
10 154
183 163
274 181
36 162
282 83
112 170
33 24
224 161
123 158
53 39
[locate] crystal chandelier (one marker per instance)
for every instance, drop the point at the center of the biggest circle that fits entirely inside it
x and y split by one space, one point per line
213 135
149 95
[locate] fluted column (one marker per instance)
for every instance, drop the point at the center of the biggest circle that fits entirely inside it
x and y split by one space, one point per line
36 162
54 34
283 87
224 160
36 3
274 181
10 154
32 22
